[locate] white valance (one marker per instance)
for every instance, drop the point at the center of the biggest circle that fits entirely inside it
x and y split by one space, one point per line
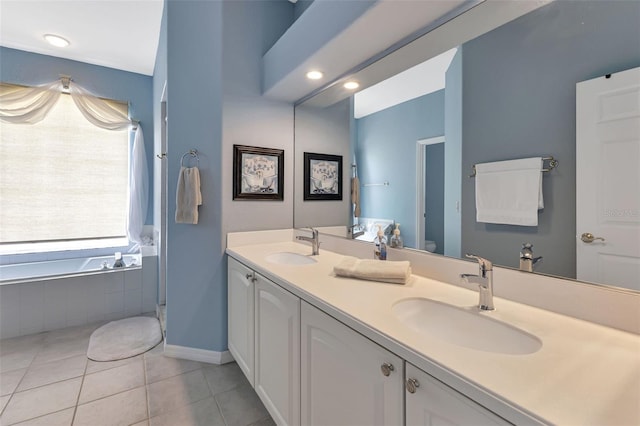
29 105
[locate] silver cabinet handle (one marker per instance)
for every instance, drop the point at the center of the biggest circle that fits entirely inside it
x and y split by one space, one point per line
588 237
386 368
412 385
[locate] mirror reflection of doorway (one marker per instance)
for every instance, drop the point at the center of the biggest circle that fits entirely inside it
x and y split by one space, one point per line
430 194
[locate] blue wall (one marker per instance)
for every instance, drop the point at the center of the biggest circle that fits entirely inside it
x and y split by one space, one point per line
203 39
389 138
25 68
519 101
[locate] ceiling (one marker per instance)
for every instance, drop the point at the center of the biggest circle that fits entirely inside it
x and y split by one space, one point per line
121 34
422 79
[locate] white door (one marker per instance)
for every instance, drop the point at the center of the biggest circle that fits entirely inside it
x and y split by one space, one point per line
608 179
346 378
240 302
277 355
430 402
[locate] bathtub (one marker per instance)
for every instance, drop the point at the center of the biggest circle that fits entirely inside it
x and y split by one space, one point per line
49 295
32 271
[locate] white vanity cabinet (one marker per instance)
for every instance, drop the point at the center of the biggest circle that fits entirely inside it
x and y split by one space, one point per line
346 378
430 402
277 351
240 301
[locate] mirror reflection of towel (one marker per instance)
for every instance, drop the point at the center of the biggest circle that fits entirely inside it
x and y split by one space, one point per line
188 195
355 196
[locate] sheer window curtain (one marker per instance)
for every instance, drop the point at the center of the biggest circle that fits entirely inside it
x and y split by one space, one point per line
29 105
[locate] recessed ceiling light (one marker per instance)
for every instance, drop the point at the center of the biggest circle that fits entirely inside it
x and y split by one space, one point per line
314 75
351 85
55 40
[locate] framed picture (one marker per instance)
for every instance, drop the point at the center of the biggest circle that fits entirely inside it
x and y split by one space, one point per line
258 173
322 176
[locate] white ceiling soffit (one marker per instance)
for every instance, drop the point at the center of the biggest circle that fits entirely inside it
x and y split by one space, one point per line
482 18
121 34
417 81
385 23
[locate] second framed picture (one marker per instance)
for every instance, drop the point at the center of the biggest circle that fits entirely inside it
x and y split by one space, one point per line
322 177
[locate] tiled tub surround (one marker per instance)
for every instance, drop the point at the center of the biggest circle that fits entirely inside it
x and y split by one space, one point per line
585 373
65 300
46 379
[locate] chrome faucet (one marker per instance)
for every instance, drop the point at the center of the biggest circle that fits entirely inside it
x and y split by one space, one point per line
353 234
484 279
315 243
527 261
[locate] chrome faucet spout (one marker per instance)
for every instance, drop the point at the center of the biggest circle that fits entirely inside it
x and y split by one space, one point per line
315 242
484 279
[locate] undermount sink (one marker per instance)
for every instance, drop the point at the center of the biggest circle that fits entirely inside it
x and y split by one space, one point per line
464 327
289 258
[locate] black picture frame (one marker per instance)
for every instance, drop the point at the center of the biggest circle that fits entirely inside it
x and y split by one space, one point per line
322 177
258 173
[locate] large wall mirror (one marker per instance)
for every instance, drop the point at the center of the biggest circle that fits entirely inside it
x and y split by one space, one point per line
507 94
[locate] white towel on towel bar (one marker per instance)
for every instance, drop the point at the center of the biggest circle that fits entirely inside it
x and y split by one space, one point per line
509 192
188 195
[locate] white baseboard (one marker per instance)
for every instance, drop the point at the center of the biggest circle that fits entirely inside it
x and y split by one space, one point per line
194 354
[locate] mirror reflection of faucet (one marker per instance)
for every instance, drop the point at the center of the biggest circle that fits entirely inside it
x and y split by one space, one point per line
355 231
527 261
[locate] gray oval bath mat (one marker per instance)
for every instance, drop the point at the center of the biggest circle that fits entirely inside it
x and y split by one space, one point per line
124 338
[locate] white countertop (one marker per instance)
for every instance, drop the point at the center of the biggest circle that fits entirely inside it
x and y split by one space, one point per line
584 374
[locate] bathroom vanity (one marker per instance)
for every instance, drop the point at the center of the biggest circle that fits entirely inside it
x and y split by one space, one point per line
321 349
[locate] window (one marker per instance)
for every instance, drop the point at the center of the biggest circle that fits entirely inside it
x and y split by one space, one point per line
62 179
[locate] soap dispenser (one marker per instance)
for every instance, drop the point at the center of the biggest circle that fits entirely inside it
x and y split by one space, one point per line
396 240
380 252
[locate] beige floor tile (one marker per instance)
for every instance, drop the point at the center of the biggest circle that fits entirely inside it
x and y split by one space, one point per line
143 423
268 421
201 413
59 349
222 378
174 392
3 401
241 406
61 418
22 343
9 381
80 332
17 360
160 367
112 381
40 401
54 371
124 409
95 366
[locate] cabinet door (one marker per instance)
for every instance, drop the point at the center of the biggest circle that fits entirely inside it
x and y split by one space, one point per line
241 315
342 376
431 402
277 374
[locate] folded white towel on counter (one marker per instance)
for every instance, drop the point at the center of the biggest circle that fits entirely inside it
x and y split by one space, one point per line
509 192
188 195
395 272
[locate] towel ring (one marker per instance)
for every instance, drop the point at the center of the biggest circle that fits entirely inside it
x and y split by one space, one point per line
193 153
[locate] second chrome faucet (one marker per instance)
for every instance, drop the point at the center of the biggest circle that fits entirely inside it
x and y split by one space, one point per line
484 279
315 242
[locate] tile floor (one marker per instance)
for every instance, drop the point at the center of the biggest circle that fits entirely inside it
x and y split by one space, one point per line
46 379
